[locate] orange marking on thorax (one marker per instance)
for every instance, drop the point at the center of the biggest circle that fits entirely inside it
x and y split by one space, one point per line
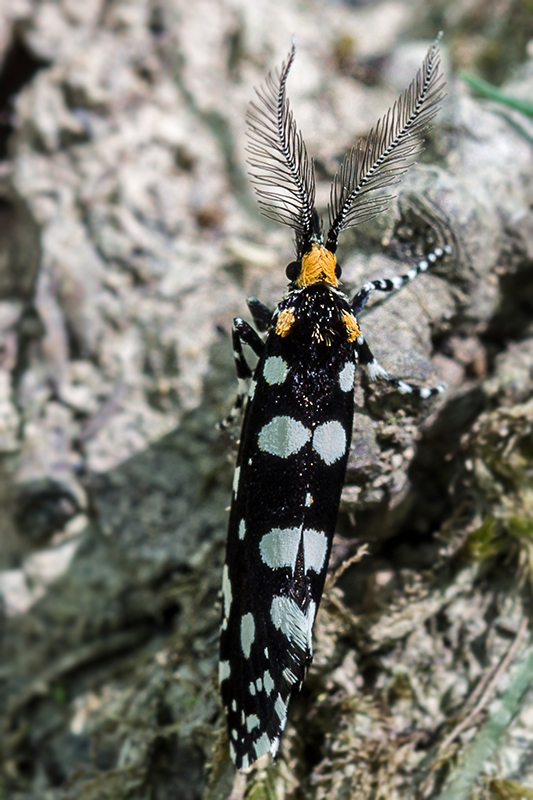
318 265
285 322
352 328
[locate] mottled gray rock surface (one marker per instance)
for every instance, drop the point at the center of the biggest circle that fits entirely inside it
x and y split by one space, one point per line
128 241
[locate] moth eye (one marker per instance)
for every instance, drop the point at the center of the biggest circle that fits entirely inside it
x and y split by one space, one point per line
293 270
338 271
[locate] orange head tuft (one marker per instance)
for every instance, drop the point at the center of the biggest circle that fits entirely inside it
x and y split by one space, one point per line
318 266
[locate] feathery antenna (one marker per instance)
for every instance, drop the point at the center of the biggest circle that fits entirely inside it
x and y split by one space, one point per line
389 151
283 174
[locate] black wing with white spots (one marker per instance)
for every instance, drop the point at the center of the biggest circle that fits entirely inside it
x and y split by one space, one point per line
286 495
298 414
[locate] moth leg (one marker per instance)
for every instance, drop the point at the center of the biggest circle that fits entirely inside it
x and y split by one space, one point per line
374 370
399 281
242 333
261 313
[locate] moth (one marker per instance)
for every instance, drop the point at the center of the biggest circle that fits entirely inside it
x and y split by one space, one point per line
298 402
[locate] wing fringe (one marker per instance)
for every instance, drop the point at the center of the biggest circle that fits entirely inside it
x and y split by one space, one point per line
388 152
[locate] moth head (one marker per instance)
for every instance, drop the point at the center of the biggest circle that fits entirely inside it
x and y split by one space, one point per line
317 265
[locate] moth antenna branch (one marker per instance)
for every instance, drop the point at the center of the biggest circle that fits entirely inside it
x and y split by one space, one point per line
389 150
281 172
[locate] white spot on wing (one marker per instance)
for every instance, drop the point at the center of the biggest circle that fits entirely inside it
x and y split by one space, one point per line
308 500
251 689
251 390
268 682
224 670
329 441
294 623
236 476
242 529
247 633
226 590
259 685
347 376
315 549
280 707
252 722
262 745
275 370
283 436
279 548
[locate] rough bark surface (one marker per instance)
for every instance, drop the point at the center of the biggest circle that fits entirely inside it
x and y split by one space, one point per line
128 241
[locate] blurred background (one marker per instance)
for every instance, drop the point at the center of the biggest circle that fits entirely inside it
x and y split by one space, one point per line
129 239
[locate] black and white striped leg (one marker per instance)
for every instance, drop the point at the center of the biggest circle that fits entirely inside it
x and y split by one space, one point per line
242 333
399 281
261 314
374 370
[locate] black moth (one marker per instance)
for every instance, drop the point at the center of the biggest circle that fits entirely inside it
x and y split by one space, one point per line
299 404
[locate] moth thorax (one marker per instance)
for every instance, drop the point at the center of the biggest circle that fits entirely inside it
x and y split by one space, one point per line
318 266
